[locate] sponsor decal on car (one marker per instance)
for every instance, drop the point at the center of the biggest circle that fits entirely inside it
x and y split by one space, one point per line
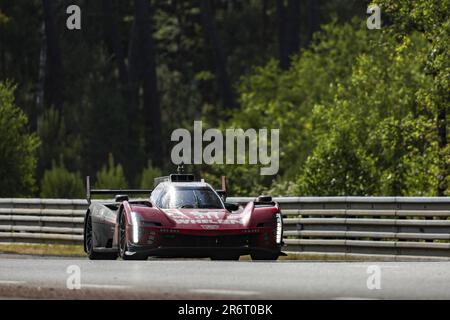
210 226
208 221
201 217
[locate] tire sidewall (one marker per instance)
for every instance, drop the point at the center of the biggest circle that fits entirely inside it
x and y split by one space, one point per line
89 248
123 249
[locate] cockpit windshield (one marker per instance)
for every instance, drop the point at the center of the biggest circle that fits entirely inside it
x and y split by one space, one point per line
190 197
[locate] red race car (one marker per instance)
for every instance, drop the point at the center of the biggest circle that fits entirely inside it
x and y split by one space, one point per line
182 218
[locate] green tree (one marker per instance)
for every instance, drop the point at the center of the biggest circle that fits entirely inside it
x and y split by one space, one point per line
338 167
52 128
148 176
58 182
111 176
351 115
380 119
286 100
17 148
431 19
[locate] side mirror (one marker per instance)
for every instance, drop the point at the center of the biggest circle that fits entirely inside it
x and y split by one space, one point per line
121 198
222 194
231 206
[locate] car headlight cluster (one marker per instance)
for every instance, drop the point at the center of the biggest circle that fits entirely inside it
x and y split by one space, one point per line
151 237
138 223
169 231
279 229
250 231
134 222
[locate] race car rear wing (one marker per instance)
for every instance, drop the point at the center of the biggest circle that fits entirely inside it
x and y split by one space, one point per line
178 177
117 192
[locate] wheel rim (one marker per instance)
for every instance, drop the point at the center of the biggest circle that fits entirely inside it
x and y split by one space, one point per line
89 234
122 235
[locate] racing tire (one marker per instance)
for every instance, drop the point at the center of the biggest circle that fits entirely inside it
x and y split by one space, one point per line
123 243
89 244
265 256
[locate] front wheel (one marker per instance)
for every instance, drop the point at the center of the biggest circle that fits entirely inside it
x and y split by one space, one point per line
123 242
89 243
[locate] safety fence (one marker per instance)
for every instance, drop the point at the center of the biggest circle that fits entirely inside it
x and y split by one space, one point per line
359 226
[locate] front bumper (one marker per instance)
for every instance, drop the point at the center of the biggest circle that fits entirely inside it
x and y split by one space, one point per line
195 243
200 252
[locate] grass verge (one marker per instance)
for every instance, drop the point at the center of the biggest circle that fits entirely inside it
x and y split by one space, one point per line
77 251
43 249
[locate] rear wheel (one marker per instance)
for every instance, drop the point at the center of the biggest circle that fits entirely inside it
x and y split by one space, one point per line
123 242
89 244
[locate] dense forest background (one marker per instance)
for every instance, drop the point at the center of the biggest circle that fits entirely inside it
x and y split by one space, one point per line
360 112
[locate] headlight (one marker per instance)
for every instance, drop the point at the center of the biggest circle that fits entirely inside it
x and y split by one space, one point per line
279 230
134 222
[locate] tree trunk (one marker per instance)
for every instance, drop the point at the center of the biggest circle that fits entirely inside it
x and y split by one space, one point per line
142 71
442 143
220 60
132 111
288 31
283 55
151 110
112 37
293 28
313 18
53 92
40 87
2 54
264 24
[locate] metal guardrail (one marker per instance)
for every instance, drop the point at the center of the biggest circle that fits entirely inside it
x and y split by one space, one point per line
375 226
42 220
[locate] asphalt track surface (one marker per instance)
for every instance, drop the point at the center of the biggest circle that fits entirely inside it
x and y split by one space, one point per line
45 277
